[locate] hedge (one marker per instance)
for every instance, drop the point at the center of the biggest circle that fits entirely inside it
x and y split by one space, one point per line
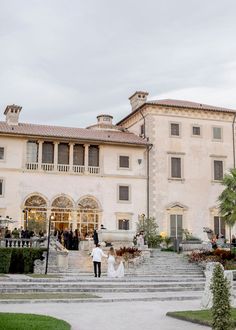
5 259
19 260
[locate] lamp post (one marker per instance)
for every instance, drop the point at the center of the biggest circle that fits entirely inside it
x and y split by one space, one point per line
49 229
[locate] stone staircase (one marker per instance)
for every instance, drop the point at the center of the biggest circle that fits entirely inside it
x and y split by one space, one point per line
165 276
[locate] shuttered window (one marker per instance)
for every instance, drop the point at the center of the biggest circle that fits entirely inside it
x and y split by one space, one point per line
1 187
218 169
175 167
32 152
63 153
217 133
123 193
2 153
219 226
174 129
123 224
93 156
48 153
124 161
196 130
78 156
176 225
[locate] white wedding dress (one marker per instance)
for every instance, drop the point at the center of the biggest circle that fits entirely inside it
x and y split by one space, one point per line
112 271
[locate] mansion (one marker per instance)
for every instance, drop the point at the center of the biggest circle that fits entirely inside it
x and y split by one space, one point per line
165 159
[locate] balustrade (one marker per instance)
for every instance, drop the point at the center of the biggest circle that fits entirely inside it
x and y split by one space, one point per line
20 242
80 169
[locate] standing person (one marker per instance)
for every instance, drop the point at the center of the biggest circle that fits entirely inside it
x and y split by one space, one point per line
97 255
95 237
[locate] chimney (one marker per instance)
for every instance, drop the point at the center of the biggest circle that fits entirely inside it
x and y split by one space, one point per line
12 114
138 99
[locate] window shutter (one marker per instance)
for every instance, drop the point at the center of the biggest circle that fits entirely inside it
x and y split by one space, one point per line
93 156
175 167
48 153
196 130
175 129
63 153
124 161
32 152
218 169
217 133
78 154
1 153
1 187
123 193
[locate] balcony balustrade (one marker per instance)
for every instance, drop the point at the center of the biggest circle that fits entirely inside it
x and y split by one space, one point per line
79 169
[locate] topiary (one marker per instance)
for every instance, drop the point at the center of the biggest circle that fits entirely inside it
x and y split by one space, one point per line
221 309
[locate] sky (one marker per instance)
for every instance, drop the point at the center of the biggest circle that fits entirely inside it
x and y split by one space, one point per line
67 61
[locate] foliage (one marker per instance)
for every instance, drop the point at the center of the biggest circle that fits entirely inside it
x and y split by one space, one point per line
5 257
187 236
221 309
150 228
226 258
154 241
168 241
19 260
128 252
31 322
227 199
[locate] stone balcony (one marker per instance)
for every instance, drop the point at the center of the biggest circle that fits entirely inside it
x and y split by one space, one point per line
75 169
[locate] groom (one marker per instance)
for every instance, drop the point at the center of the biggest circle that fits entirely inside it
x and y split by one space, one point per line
97 255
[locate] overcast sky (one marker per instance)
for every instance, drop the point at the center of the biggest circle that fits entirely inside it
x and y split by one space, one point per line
67 61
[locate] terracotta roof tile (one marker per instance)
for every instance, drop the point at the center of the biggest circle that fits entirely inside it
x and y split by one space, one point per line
83 134
189 104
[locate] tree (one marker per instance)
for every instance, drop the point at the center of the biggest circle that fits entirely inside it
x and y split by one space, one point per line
227 200
150 229
221 309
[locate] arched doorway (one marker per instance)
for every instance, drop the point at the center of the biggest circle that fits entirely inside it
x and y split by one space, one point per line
88 216
61 209
35 214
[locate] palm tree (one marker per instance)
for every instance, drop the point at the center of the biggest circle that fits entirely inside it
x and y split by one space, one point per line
227 199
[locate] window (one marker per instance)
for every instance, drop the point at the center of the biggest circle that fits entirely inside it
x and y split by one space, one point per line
176 167
123 224
1 187
78 154
176 225
48 153
175 129
218 170
217 133
63 153
196 130
93 156
124 193
32 152
219 226
124 161
2 153
142 130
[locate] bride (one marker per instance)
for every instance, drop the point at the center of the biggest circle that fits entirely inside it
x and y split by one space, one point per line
112 270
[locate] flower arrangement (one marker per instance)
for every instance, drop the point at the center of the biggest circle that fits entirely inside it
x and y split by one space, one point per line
128 252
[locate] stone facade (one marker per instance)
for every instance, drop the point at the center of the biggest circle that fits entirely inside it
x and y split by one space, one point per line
191 196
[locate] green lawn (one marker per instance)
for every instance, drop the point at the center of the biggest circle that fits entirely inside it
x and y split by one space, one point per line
200 317
46 295
11 321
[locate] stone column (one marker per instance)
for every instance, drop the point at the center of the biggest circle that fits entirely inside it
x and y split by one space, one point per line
86 155
40 154
71 154
55 161
74 219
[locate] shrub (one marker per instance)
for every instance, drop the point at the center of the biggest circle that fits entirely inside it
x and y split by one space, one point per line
5 257
20 260
128 252
221 309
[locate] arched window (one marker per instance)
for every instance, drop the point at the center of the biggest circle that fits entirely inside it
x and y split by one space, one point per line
62 207
35 213
88 216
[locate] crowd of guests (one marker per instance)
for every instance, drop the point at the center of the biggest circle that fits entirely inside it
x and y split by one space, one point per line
68 238
17 233
219 241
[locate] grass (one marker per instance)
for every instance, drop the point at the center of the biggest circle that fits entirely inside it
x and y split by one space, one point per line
12 321
200 317
39 295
